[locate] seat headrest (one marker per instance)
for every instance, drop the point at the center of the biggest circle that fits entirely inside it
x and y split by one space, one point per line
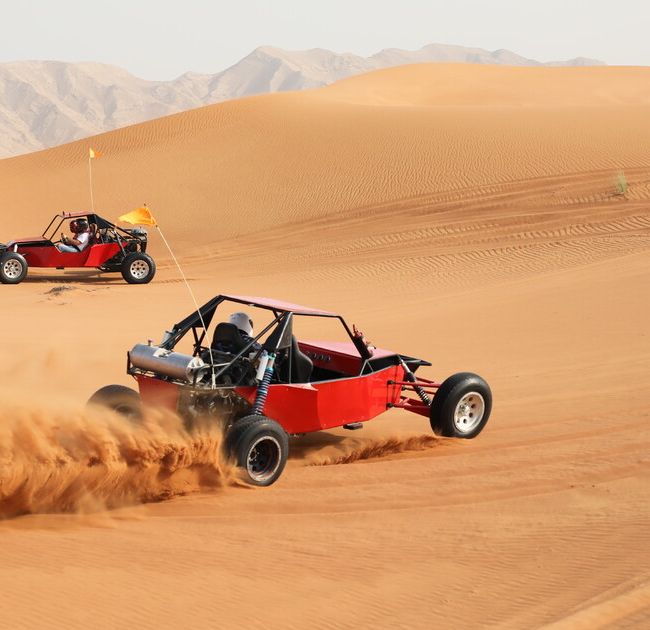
228 336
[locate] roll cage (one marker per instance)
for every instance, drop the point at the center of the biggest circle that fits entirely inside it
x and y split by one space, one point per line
279 339
102 227
199 322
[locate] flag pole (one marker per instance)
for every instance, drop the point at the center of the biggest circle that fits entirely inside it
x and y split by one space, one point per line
90 179
143 216
189 288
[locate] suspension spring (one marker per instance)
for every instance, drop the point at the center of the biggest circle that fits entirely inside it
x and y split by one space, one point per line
263 387
411 378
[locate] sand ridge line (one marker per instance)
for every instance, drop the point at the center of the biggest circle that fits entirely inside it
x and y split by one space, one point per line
627 603
446 212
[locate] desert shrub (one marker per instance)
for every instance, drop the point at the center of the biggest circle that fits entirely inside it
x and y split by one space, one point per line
621 185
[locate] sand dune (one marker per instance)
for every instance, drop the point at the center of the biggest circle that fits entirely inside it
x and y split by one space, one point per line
465 214
247 165
47 103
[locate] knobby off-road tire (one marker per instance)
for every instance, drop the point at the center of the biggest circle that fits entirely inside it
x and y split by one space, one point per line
461 407
138 268
13 268
259 446
122 400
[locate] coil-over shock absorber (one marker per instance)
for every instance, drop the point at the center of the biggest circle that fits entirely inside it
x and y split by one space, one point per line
279 340
411 378
264 375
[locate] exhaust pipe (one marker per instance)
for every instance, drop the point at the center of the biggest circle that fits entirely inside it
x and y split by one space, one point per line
167 363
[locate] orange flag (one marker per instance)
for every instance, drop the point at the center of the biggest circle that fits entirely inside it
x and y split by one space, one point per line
94 154
139 216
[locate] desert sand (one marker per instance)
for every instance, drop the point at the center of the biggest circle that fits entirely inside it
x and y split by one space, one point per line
465 214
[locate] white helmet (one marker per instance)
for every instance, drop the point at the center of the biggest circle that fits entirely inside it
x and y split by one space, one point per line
243 322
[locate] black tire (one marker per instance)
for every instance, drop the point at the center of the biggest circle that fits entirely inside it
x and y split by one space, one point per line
259 446
138 268
461 407
13 268
122 400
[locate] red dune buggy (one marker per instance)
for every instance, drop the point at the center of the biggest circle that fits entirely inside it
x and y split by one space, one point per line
110 249
273 385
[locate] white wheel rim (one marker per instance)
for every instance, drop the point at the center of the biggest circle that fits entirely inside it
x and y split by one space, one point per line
139 269
12 269
262 471
469 412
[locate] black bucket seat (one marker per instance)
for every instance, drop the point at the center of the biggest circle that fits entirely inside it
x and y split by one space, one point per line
227 338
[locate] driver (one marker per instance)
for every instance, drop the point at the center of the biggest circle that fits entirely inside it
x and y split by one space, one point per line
80 239
241 371
245 327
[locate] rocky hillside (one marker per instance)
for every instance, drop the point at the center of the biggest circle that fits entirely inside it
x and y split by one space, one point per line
46 103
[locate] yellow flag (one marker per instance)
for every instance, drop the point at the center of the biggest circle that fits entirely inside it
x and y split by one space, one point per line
139 216
94 154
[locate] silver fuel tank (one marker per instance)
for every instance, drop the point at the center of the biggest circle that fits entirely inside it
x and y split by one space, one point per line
167 363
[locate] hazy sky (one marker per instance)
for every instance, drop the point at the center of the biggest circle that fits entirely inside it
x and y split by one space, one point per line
160 39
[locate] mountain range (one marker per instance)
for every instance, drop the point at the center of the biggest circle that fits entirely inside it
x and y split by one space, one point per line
47 103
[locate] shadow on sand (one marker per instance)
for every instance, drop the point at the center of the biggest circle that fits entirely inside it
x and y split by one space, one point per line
87 278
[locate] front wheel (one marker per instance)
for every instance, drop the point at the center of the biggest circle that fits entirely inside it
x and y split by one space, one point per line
138 268
259 446
120 399
461 406
13 268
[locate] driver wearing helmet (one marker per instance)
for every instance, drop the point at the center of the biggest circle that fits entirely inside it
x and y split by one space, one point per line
245 327
80 239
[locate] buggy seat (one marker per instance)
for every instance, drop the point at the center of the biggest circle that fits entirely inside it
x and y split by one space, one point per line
226 338
298 367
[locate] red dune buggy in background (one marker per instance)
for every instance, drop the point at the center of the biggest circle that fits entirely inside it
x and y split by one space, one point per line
111 249
275 386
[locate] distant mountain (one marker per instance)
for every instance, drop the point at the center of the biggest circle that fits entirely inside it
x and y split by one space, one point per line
46 103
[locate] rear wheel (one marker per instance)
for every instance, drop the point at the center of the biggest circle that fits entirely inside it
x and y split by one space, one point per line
13 268
461 406
259 447
122 400
138 268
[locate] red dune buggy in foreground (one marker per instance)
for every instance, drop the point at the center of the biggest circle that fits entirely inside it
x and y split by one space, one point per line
110 249
272 386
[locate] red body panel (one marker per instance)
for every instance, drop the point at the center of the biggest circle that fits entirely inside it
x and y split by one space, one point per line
101 253
49 256
328 404
304 408
156 393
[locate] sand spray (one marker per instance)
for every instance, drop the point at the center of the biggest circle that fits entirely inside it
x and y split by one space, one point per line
75 461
